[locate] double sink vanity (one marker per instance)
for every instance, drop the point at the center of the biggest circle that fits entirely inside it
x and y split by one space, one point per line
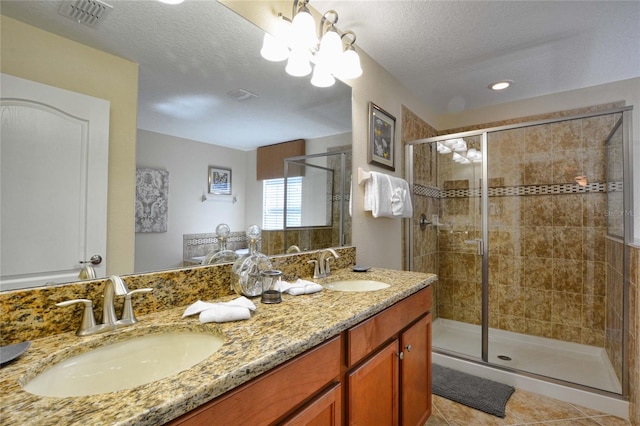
355 354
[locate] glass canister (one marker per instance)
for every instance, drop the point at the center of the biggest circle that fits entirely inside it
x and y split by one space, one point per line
222 255
246 270
270 286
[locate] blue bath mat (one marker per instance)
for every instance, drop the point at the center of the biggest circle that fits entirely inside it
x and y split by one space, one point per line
472 391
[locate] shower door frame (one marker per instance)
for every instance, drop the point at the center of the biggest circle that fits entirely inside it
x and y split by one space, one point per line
628 236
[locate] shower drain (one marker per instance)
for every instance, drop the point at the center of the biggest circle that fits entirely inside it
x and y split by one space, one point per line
504 357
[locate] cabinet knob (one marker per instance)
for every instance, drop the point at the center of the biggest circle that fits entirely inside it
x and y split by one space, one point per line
401 355
408 348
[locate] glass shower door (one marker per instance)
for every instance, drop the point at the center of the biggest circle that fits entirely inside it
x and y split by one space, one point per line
459 238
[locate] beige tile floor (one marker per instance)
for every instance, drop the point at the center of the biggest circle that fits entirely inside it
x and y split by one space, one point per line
523 408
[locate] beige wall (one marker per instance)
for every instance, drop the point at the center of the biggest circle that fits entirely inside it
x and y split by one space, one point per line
37 55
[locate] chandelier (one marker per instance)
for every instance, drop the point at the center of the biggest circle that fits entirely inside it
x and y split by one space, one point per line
325 52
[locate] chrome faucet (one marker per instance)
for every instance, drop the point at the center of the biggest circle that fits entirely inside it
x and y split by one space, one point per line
321 267
293 249
114 286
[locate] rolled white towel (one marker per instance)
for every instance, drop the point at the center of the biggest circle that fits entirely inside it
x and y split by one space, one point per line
222 313
299 287
233 310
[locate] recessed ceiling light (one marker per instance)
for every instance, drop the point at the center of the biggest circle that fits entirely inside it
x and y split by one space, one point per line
171 1
501 85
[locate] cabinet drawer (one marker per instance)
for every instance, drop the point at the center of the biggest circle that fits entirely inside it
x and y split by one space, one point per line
268 397
364 338
323 410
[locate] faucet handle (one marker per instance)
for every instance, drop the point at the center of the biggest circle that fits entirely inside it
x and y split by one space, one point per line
88 320
128 317
327 268
316 268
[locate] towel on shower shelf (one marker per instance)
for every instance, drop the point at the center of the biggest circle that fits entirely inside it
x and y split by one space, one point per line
299 287
233 310
387 196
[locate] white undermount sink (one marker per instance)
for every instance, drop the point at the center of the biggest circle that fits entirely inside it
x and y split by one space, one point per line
125 364
355 285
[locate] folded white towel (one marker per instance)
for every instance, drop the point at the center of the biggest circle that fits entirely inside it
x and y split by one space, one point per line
233 310
299 287
377 195
387 196
400 198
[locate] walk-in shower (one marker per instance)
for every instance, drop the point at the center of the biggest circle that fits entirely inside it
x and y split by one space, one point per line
525 226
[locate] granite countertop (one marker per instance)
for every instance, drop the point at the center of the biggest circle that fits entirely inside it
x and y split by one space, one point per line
273 335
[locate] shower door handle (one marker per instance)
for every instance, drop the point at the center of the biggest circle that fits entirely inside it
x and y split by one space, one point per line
479 243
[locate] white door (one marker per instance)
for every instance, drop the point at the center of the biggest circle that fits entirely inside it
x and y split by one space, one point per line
54 150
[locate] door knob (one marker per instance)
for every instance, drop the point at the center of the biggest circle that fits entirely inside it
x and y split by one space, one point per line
96 259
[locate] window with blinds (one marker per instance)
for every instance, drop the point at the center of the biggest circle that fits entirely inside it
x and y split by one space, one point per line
273 203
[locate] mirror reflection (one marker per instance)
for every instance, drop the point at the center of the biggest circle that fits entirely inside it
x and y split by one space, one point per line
286 108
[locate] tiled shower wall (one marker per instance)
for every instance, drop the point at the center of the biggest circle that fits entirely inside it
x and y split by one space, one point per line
547 251
425 243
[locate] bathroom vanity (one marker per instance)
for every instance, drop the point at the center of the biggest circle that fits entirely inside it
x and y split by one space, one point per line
327 358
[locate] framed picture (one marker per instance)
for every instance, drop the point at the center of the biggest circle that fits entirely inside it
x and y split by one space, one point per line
219 181
382 130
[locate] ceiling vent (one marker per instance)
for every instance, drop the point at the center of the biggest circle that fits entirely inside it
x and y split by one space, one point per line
87 12
242 95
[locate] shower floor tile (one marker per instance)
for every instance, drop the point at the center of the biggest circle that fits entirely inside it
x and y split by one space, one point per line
572 362
524 408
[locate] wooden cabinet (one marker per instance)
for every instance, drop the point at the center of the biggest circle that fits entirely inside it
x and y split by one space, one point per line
373 389
323 410
271 396
392 386
415 368
376 373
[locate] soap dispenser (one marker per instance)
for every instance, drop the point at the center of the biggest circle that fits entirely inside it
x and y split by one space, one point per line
246 270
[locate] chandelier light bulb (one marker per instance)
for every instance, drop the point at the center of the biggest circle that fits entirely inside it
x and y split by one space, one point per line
330 53
273 49
460 147
322 77
303 30
351 67
298 64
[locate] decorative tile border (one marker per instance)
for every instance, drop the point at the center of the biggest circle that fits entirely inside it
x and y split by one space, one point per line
427 191
507 191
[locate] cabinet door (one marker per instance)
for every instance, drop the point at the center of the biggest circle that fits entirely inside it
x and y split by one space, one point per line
416 373
372 389
324 410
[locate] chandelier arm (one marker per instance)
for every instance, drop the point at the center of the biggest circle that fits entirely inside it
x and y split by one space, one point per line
297 5
326 22
350 43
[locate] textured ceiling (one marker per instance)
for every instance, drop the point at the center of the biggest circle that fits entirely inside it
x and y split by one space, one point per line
448 52
445 52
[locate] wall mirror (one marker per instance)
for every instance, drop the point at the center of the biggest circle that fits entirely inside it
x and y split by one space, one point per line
286 108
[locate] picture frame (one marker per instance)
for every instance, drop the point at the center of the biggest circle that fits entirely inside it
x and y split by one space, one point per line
382 130
219 181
